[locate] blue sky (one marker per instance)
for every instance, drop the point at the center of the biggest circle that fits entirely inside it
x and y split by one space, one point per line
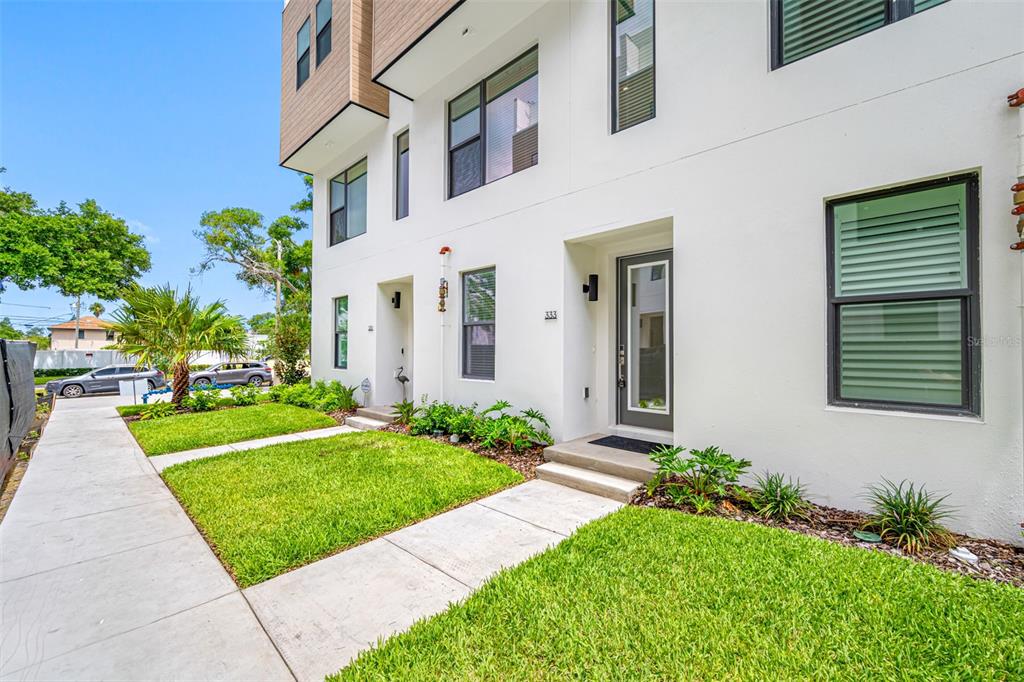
158 110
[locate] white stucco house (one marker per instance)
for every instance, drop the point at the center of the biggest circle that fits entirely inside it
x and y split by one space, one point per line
792 220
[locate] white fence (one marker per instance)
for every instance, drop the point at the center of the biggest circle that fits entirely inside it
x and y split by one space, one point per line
68 359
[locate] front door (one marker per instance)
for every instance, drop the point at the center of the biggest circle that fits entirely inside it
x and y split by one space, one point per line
644 344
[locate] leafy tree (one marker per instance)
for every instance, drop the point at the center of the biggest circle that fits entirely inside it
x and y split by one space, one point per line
78 252
306 203
97 309
265 257
7 330
158 327
271 259
262 323
289 344
36 335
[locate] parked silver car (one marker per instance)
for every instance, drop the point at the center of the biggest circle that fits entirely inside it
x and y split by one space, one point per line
105 380
248 372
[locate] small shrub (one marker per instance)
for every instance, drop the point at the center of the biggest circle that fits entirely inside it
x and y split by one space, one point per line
156 411
509 431
666 458
201 401
325 396
462 421
779 498
908 516
704 477
404 412
433 418
245 395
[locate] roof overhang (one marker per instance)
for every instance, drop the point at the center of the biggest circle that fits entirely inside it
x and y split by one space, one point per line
456 38
353 122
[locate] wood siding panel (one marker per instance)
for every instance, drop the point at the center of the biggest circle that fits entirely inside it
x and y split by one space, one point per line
397 24
343 76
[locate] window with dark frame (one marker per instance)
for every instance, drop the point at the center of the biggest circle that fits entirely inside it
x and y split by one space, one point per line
903 298
478 330
632 34
402 175
323 30
801 28
302 55
348 204
492 127
341 332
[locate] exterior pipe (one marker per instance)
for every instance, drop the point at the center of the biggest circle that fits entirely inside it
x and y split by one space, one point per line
1016 100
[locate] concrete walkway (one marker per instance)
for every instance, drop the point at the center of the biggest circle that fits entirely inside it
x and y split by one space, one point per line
103 576
161 462
322 615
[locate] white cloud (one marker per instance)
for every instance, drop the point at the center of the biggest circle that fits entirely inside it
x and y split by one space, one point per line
145 230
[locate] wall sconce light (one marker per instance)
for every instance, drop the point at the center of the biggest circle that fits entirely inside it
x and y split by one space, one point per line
590 288
396 300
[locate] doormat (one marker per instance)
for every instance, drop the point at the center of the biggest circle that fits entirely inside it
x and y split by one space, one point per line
644 447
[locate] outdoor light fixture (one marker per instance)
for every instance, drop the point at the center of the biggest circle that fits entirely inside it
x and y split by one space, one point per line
590 288
396 300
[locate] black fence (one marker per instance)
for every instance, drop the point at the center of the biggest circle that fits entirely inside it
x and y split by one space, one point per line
17 398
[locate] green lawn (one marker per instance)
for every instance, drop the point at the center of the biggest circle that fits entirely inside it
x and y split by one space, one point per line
654 594
269 510
201 429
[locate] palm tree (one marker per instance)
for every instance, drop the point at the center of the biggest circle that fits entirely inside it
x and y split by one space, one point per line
155 325
97 309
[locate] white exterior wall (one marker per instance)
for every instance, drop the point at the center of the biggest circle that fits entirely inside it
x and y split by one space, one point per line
733 174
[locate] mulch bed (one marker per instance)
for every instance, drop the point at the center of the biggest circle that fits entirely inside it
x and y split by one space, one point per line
997 561
523 461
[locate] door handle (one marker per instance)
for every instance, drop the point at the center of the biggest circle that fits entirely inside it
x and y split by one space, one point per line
622 367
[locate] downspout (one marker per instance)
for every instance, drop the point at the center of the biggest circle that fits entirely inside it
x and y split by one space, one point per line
1016 101
442 297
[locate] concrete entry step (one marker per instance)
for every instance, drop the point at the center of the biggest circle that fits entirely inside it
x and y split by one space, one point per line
611 461
612 487
382 413
364 423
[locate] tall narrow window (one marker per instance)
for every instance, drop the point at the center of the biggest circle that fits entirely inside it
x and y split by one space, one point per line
323 30
478 324
348 204
633 66
302 55
903 294
801 28
402 175
492 127
341 332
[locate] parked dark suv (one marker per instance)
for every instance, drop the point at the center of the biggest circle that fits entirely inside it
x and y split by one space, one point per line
105 380
248 372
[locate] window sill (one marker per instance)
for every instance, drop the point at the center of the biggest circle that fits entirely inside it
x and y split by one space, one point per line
905 413
477 380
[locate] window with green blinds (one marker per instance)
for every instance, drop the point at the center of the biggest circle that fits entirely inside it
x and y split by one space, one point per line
903 297
478 330
804 27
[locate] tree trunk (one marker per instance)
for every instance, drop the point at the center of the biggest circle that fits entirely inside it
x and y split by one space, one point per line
180 382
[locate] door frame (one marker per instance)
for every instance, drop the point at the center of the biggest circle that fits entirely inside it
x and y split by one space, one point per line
643 418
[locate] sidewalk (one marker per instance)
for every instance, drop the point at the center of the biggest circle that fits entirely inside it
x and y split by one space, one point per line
161 462
103 576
